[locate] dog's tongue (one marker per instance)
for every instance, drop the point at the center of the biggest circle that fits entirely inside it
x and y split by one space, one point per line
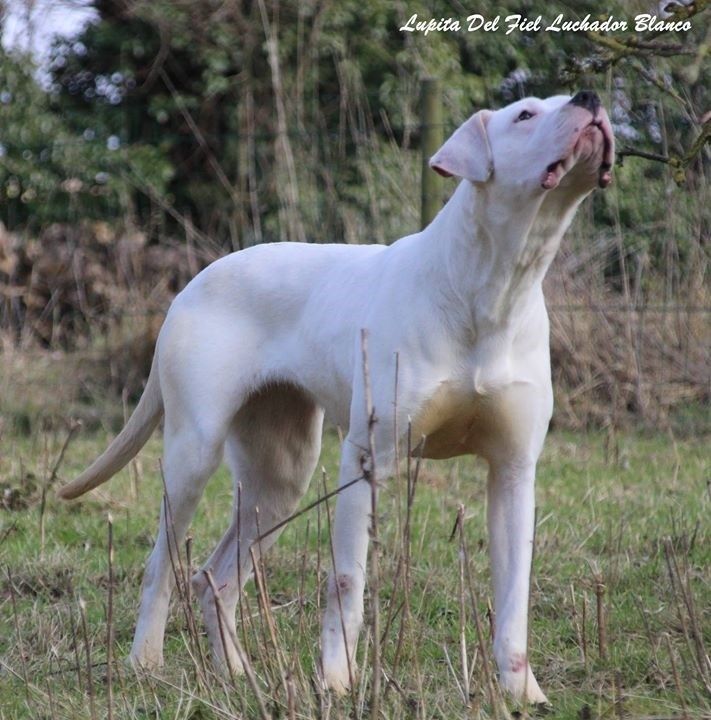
554 172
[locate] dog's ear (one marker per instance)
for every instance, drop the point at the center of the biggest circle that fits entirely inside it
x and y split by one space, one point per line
467 153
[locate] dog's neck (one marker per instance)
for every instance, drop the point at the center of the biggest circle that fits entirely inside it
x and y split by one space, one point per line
497 255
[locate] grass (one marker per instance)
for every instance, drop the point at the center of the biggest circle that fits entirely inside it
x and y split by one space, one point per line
622 545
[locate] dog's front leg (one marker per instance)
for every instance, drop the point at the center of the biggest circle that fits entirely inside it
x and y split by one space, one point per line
510 511
344 609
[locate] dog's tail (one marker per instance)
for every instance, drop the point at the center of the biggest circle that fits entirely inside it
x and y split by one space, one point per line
126 444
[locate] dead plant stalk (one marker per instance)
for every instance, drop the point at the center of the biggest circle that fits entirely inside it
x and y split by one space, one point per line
371 475
462 612
248 671
110 622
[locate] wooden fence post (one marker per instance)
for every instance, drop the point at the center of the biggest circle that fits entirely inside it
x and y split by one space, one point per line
431 124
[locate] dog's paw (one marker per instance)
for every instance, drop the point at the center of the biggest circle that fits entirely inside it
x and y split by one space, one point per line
228 667
145 662
337 679
338 668
336 683
521 688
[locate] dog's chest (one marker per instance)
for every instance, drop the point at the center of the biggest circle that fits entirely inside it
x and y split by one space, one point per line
458 420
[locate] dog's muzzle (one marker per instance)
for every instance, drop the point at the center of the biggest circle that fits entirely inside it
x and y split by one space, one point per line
590 102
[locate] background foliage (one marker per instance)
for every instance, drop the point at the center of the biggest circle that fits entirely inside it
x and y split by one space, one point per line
204 105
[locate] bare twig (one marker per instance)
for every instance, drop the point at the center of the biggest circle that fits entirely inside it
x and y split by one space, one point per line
73 428
689 624
412 475
316 503
351 674
180 575
248 671
483 651
87 648
462 611
677 679
265 602
576 624
284 153
371 476
18 632
110 622
601 620
528 612
133 464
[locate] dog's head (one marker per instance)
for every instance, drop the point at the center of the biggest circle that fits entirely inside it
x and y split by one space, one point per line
534 145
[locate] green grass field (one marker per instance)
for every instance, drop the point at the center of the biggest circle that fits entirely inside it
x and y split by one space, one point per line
622 541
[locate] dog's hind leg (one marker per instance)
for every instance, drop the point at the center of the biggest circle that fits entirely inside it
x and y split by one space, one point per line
190 458
201 396
272 449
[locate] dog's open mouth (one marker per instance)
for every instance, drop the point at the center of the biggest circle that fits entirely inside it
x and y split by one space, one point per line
598 131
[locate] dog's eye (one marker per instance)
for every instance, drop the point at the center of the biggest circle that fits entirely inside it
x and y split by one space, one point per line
525 115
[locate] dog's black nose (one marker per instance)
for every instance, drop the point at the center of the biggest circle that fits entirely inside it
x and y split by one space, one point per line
587 99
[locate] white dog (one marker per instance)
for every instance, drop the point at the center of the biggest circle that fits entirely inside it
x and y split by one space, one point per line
263 342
